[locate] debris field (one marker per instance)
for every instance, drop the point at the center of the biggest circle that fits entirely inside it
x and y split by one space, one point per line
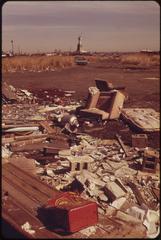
92 157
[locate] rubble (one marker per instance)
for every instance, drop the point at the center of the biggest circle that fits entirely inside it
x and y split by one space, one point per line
150 160
114 191
6 153
152 223
88 231
107 171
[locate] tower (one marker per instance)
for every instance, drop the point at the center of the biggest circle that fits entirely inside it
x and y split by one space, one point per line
12 47
79 45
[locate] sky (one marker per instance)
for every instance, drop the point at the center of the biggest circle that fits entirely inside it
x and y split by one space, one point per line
43 26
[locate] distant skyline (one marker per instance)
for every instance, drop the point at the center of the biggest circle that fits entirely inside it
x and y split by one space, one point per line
105 25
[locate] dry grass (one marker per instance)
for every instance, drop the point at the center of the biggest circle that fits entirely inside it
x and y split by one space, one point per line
51 63
141 59
36 63
40 63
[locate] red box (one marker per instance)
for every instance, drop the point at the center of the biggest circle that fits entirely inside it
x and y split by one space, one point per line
71 212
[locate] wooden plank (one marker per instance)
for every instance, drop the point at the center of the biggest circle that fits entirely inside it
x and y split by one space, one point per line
47 127
44 188
122 145
29 189
16 216
21 197
27 142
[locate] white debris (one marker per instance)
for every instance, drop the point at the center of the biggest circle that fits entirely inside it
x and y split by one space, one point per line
27 93
28 228
125 171
103 197
89 231
105 178
152 222
114 188
6 153
40 171
50 172
136 212
37 163
118 203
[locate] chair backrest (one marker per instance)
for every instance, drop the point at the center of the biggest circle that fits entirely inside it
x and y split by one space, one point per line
103 86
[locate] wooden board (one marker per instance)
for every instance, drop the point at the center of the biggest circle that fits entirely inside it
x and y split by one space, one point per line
144 119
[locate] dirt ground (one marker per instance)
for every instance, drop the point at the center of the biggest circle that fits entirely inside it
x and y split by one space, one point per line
142 86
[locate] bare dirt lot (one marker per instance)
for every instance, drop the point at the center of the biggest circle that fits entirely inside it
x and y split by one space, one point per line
142 84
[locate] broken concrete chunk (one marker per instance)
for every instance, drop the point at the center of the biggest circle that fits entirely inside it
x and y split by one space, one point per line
125 171
102 197
64 163
105 178
64 153
50 172
93 191
126 217
152 222
136 212
113 191
79 163
118 165
118 203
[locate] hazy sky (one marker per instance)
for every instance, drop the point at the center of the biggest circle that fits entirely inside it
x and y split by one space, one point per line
105 25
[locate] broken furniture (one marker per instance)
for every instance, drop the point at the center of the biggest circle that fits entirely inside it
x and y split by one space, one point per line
69 212
143 119
150 160
139 140
103 104
103 85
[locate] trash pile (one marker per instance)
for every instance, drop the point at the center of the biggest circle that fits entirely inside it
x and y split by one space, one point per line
123 180
13 95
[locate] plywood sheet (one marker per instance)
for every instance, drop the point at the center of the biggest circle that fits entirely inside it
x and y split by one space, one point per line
145 119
